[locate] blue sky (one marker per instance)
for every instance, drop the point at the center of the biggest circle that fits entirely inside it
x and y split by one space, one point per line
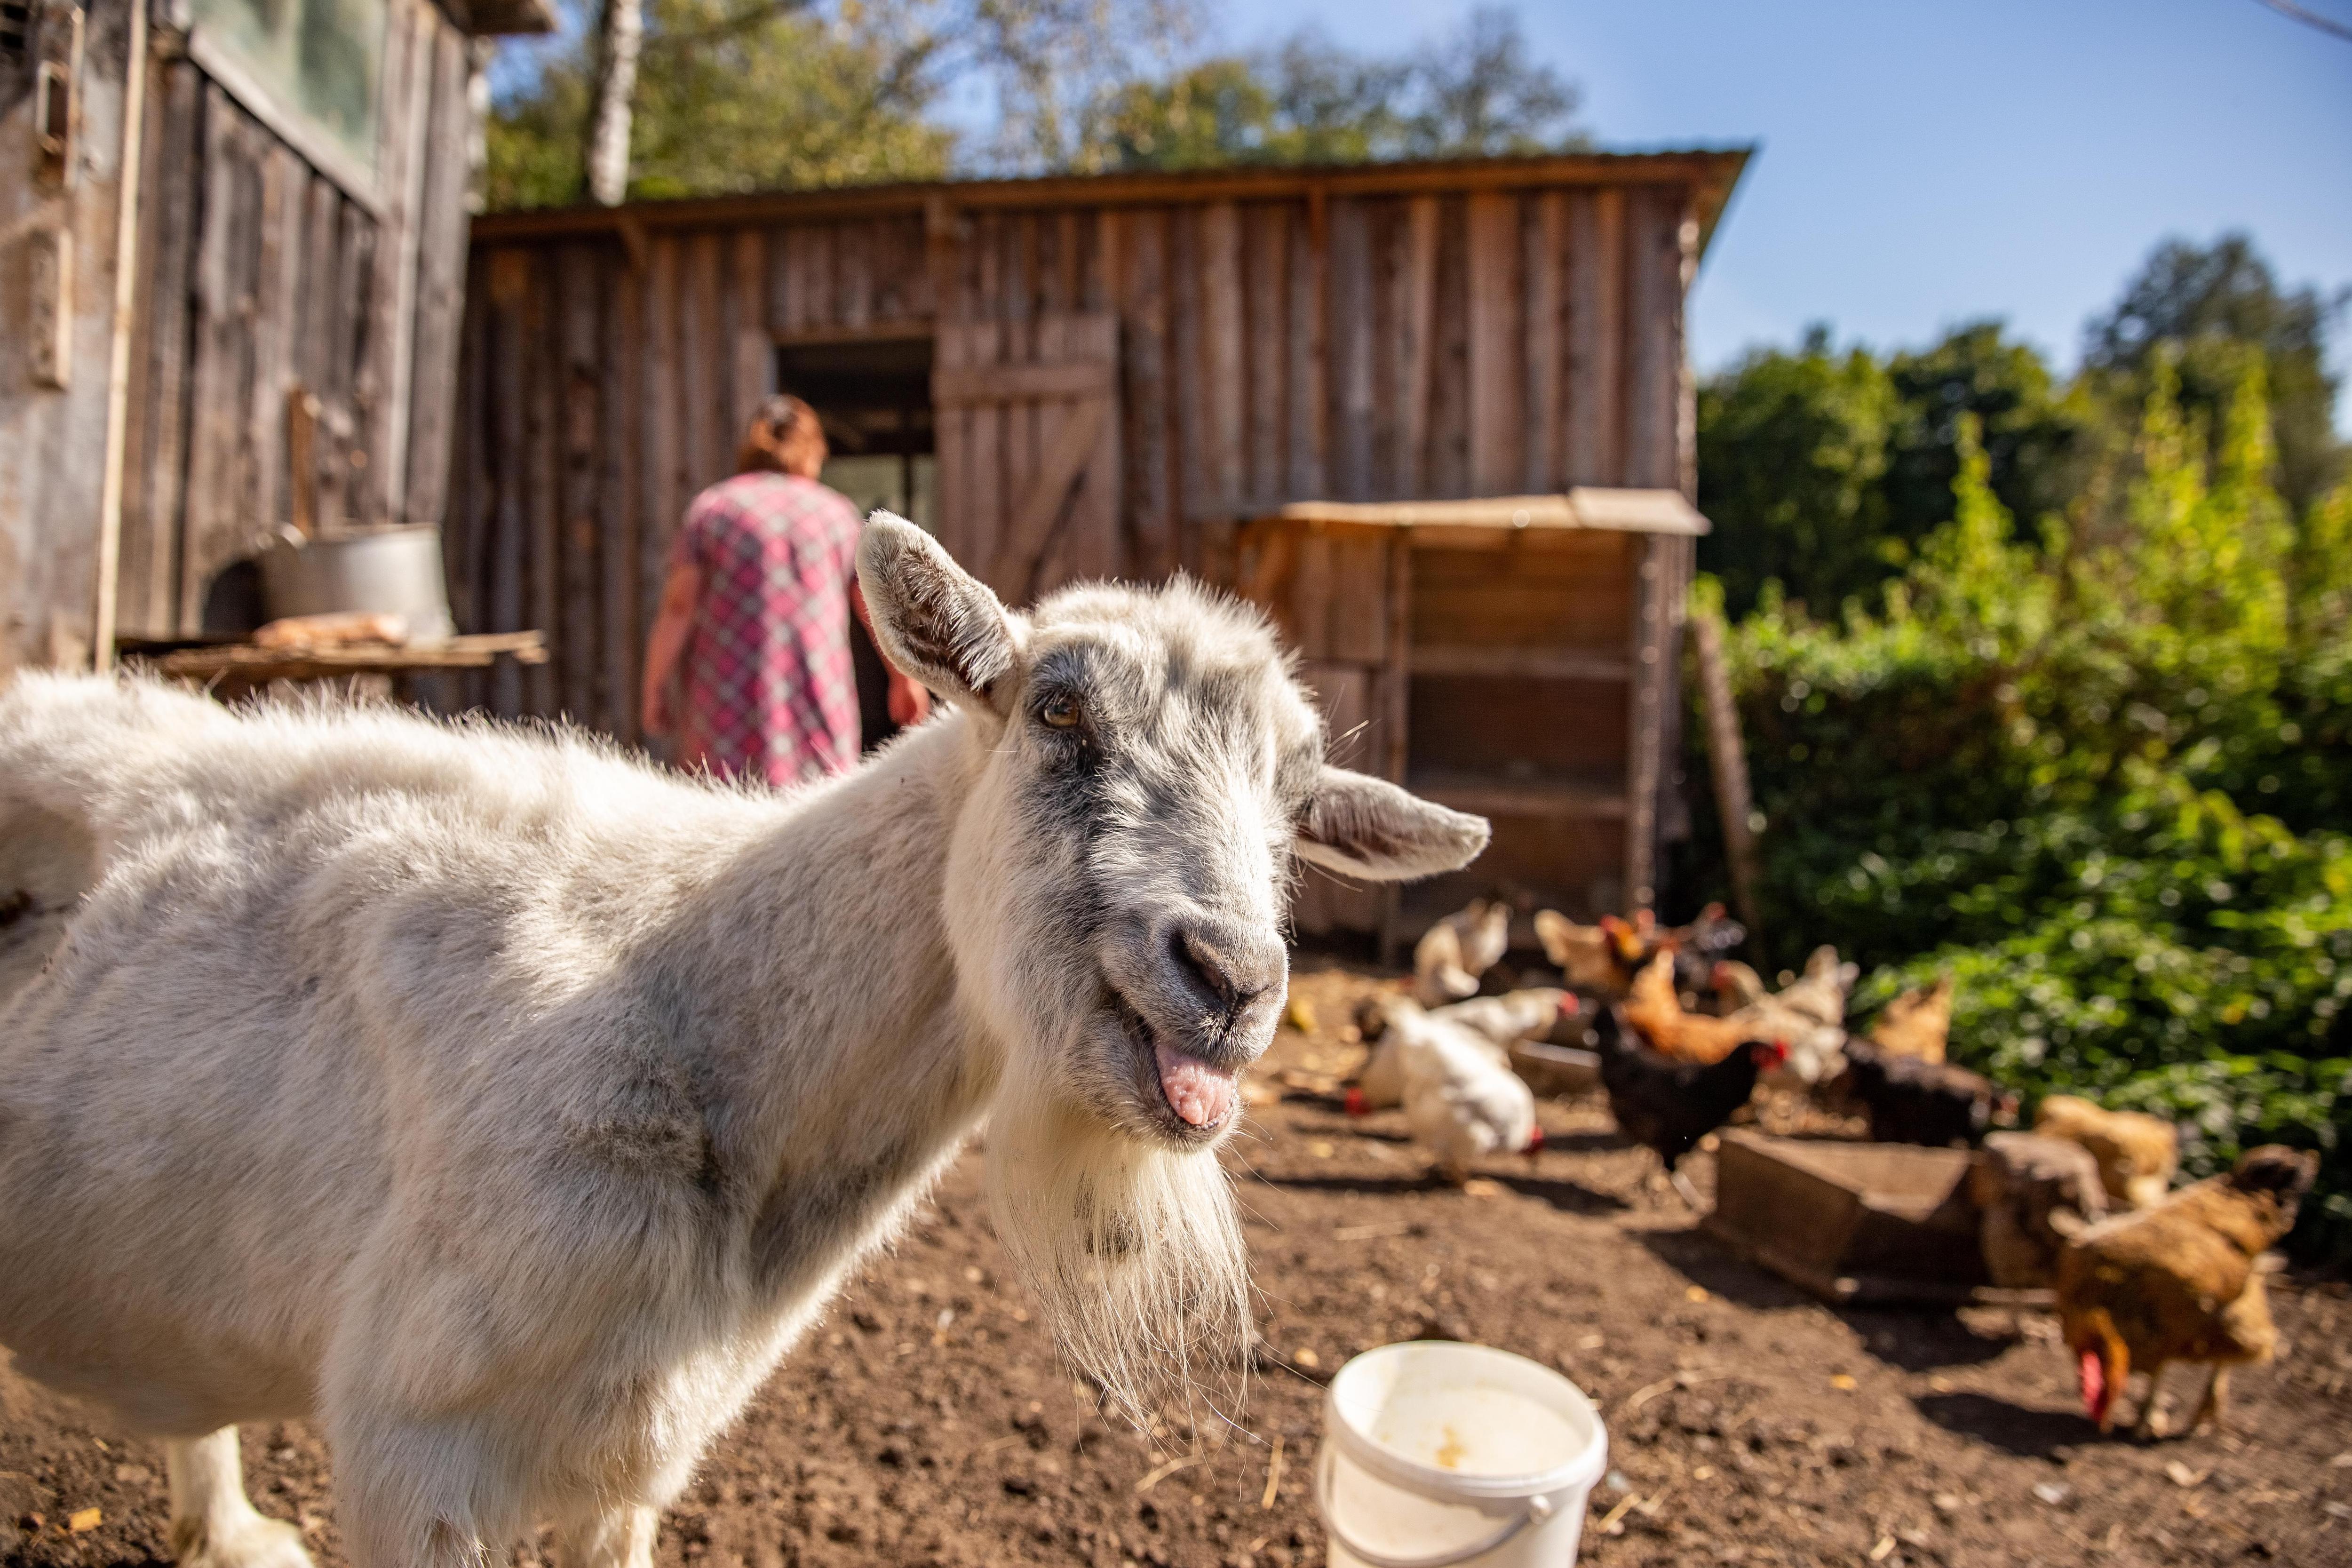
1925 164
1919 164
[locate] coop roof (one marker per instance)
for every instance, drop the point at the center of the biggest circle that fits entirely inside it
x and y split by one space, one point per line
1585 506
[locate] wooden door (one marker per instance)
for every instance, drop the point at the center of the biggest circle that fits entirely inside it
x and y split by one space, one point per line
1028 451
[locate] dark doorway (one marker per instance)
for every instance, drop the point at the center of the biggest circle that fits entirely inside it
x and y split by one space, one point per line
874 395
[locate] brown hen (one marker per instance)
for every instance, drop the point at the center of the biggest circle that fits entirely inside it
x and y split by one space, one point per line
1917 1022
2180 1282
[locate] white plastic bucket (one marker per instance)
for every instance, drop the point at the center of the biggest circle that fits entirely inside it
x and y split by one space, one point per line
1436 1453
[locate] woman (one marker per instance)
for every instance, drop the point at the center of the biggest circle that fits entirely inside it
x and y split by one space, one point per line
754 617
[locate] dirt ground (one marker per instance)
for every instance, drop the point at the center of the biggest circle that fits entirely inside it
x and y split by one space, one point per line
928 1423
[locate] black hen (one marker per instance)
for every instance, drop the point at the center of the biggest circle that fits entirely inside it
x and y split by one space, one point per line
1700 944
1914 1101
1669 1105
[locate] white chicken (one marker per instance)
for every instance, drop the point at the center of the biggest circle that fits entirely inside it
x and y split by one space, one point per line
1452 954
1380 1084
1462 1102
1820 994
1527 1015
1816 1055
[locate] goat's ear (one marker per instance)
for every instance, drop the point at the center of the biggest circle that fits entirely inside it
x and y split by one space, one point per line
933 619
1368 827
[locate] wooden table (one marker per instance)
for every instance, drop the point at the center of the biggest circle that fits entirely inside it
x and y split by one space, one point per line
238 667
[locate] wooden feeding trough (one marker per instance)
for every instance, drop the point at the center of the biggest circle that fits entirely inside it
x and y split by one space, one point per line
1856 1222
1552 1070
1515 657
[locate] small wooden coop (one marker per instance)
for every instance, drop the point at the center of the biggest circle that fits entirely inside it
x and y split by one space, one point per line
1129 375
1508 655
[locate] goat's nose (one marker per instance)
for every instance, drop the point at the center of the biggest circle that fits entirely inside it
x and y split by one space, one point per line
1231 964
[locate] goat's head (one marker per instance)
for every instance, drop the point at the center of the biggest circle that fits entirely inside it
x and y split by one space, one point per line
1120 870
1146 769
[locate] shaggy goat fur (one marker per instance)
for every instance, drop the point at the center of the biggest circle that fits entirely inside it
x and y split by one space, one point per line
510 1107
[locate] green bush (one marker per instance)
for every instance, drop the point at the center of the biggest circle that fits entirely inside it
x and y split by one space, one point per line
2104 778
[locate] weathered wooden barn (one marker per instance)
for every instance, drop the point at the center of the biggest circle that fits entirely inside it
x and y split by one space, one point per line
1123 375
252 320
1119 376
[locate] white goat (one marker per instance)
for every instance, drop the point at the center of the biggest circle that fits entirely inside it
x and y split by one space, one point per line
510 1108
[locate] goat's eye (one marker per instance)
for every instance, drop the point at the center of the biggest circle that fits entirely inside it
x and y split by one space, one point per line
1061 712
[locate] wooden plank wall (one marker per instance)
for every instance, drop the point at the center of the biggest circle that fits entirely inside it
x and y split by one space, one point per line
262 284
58 232
1359 347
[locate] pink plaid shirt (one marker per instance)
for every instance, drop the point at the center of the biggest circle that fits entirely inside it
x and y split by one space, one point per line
770 692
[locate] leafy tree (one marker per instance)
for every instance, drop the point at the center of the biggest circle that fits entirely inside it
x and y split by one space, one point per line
1295 107
751 94
2205 307
1792 453
731 100
1819 477
1344 107
1825 470
1312 101
2030 431
1480 94
734 95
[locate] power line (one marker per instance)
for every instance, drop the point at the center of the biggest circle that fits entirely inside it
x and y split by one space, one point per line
2311 18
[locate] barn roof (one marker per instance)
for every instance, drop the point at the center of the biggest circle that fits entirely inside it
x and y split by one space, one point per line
1711 172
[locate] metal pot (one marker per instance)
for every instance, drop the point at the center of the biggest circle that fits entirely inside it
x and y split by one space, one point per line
395 571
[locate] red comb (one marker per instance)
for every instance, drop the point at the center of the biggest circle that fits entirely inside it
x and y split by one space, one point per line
1535 1144
1568 1005
1355 1102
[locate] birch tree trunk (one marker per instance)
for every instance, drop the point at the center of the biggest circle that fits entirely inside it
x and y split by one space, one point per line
606 162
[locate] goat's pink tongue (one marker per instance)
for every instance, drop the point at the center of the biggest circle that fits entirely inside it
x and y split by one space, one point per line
1199 1093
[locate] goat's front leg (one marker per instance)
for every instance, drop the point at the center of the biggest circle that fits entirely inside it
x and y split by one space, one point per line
416 1495
622 1538
212 1525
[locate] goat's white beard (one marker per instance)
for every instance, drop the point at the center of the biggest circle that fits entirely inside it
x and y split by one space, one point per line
1136 1252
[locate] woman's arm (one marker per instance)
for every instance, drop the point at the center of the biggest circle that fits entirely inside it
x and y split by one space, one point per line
672 626
910 700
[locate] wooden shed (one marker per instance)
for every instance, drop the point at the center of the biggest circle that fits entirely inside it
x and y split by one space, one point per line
251 319
1508 655
1123 376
